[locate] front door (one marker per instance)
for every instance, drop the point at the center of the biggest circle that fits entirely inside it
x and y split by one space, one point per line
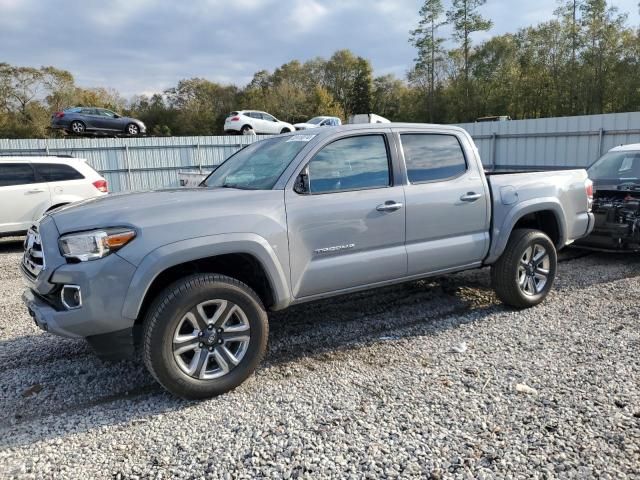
447 204
347 229
22 200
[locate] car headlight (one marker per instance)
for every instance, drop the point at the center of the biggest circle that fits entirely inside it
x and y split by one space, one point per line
96 244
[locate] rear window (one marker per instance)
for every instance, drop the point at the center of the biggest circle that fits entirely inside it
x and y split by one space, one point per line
16 174
432 157
57 172
233 114
73 110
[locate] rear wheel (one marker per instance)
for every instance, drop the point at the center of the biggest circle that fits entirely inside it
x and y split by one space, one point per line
523 276
245 129
132 129
204 335
77 127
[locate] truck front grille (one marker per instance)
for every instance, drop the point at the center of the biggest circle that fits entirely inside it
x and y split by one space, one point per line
33 261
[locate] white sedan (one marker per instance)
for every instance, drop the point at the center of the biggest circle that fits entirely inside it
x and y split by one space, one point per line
319 122
247 121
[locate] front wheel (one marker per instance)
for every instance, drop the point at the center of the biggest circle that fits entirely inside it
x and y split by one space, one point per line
204 335
132 129
523 276
285 130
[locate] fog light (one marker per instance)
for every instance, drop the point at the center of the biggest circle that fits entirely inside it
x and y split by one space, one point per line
71 297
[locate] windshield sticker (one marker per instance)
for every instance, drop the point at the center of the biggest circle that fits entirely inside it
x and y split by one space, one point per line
300 138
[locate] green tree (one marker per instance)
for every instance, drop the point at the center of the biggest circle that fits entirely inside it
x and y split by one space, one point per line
430 47
466 20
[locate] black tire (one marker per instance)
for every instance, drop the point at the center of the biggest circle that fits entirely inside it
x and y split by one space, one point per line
245 129
509 270
132 129
285 130
77 127
168 312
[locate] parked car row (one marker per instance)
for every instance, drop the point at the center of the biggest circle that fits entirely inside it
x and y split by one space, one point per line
85 120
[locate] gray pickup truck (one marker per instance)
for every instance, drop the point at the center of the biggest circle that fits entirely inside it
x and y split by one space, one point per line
188 275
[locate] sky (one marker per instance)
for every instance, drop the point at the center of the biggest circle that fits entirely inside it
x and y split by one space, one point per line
146 46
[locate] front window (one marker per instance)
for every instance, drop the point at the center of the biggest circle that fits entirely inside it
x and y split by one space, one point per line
258 166
617 167
316 120
352 163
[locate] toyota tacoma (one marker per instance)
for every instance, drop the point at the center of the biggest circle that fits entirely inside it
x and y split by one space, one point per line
188 275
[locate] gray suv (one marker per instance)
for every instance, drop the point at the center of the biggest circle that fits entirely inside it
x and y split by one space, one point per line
188 275
81 120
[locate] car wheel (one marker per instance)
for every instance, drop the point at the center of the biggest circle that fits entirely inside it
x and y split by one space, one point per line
524 274
204 335
285 130
132 129
245 129
77 127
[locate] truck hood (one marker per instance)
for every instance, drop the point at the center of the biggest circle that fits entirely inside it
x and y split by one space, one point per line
162 208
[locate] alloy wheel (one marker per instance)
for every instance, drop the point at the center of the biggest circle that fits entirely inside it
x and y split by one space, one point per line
533 270
211 339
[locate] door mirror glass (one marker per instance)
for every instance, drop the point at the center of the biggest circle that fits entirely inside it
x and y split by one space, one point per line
302 182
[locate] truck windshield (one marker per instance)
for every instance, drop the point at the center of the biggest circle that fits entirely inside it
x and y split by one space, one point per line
617 167
257 166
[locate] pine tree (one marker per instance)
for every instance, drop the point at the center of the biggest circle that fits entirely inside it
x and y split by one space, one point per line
430 46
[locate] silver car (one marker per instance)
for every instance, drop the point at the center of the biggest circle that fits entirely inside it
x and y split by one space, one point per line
81 120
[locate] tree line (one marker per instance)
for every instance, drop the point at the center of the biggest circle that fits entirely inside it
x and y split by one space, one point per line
585 60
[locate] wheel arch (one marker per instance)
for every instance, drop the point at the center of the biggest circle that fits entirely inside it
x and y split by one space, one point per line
546 215
250 260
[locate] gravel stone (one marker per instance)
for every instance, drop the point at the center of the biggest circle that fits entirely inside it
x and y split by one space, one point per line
360 386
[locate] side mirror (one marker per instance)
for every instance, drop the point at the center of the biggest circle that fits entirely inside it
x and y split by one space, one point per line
301 186
116 116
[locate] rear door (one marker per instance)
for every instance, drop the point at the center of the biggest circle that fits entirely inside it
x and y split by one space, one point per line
23 198
348 229
63 181
90 118
447 203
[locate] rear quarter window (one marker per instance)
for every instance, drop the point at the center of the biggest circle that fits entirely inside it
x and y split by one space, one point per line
57 172
432 157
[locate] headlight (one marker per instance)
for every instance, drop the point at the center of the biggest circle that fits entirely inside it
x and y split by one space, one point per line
96 244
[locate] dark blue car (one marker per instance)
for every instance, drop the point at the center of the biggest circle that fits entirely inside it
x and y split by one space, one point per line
81 120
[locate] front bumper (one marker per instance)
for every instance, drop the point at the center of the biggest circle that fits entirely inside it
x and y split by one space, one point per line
103 284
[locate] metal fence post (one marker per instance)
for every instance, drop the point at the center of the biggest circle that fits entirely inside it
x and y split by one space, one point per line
198 157
494 140
128 166
600 141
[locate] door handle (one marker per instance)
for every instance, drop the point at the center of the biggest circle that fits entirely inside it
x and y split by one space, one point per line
35 190
470 197
389 206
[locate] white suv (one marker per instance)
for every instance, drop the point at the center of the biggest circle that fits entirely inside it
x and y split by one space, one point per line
245 121
30 186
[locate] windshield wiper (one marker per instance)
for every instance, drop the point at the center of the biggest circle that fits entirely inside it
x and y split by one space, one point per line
238 186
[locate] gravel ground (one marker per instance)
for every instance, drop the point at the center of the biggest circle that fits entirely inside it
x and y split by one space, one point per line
429 379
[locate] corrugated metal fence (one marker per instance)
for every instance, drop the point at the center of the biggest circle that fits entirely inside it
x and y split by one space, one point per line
138 163
154 162
551 143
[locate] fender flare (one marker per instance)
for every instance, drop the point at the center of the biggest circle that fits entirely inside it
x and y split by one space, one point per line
170 255
502 233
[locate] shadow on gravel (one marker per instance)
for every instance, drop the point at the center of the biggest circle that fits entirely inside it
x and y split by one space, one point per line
80 393
11 245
